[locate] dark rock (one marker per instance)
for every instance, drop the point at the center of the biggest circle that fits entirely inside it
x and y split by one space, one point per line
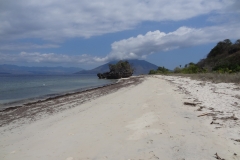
120 70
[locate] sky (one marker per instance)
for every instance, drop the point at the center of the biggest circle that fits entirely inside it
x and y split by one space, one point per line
86 34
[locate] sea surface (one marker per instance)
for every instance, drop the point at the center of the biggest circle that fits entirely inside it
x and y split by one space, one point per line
18 89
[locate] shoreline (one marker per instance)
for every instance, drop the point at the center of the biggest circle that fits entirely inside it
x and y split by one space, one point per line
48 90
148 117
10 114
47 97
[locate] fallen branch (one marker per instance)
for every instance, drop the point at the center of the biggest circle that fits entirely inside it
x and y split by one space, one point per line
233 117
214 123
205 114
217 157
189 103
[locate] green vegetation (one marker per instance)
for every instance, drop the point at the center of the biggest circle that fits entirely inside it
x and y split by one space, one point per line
223 58
160 70
120 70
189 69
121 67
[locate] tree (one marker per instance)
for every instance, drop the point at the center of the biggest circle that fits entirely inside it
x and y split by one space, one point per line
220 48
227 42
121 66
237 42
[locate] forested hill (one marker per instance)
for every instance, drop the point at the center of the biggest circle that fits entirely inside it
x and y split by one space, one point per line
224 57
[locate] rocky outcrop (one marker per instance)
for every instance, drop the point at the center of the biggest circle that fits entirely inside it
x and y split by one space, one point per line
120 70
110 75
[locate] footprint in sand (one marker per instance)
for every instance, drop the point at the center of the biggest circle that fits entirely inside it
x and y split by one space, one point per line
150 142
152 155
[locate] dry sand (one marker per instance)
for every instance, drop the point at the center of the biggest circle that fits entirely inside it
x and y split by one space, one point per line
144 121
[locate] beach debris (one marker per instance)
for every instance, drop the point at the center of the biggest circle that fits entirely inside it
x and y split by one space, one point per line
200 109
206 114
190 103
233 117
237 96
196 100
10 109
35 110
214 123
235 104
217 157
237 140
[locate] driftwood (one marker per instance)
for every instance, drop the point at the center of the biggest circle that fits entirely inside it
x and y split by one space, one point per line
214 123
189 103
205 114
233 117
217 157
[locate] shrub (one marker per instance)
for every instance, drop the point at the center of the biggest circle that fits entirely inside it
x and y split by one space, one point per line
152 72
160 70
177 70
190 69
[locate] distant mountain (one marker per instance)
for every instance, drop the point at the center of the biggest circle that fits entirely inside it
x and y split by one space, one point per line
140 67
13 69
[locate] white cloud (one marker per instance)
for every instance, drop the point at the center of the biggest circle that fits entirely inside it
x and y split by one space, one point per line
134 47
26 46
58 19
51 58
157 41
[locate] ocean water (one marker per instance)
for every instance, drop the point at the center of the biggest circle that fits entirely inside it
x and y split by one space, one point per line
15 89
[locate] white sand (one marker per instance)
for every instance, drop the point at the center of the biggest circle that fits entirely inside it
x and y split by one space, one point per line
147 121
222 99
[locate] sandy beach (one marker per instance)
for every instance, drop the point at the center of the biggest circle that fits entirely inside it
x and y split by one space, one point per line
148 117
